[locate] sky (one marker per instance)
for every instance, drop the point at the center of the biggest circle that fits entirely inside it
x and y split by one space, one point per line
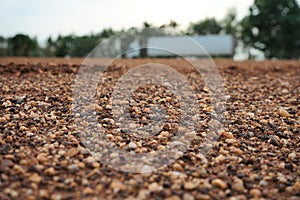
44 18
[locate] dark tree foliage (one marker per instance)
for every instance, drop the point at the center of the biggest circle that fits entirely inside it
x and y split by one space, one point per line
22 45
76 46
3 46
273 26
205 27
64 45
230 24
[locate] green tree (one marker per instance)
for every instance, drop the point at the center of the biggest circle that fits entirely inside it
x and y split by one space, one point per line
173 24
76 46
229 23
273 26
205 27
3 46
50 48
22 45
64 45
106 33
83 45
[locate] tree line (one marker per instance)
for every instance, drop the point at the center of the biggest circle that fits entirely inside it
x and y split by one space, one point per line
271 26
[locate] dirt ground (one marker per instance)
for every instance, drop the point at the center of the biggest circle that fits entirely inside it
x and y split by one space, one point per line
255 156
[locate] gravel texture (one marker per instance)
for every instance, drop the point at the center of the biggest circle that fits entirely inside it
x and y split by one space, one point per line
257 154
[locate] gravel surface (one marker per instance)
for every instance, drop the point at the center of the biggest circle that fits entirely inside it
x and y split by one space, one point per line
257 154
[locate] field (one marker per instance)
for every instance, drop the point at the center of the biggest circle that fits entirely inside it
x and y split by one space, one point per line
255 156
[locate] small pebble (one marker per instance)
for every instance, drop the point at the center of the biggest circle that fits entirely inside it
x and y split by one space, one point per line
220 183
143 194
23 128
188 196
90 159
284 113
292 156
11 192
34 115
296 186
220 159
236 150
146 168
72 152
43 193
263 183
73 167
147 110
164 134
263 121
50 171
190 185
203 196
281 165
154 187
2 120
227 134
117 185
29 134
255 192
191 134
42 157
35 178
238 185
132 145
87 191
251 115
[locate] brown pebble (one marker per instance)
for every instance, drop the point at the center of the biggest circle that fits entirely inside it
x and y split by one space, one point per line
42 157
220 159
297 186
72 152
177 167
43 193
97 107
227 134
238 197
6 163
11 192
236 150
143 194
283 113
188 196
117 185
209 109
164 134
220 183
147 110
9 156
50 171
35 178
173 197
88 191
154 187
255 192
263 121
203 196
238 185
191 134
190 185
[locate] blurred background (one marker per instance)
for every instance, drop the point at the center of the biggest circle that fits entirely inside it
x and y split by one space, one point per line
262 29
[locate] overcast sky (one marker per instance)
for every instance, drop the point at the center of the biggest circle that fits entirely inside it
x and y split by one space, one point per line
43 18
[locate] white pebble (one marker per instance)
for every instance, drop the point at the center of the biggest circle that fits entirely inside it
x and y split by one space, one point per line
132 145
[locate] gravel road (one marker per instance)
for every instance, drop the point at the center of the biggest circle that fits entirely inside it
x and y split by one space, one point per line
255 156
